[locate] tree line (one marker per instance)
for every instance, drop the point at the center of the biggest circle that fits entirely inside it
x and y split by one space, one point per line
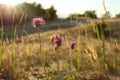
91 14
25 12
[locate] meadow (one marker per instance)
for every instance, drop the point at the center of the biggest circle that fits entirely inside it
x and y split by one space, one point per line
27 55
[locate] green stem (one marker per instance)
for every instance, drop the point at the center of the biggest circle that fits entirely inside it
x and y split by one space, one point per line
43 59
39 35
70 58
57 58
1 41
98 34
103 51
0 54
104 60
78 53
39 38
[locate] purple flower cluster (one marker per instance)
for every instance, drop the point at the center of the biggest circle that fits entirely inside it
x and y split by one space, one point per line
56 40
72 44
36 22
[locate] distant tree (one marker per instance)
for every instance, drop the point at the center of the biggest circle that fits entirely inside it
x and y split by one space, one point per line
118 15
39 10
25 11
91 14
75 15
31 9
51 13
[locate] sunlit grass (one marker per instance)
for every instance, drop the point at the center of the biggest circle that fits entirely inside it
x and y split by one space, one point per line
1 40
63 63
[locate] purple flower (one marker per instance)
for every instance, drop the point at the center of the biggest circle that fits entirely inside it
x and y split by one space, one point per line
36 22
72 44
56 40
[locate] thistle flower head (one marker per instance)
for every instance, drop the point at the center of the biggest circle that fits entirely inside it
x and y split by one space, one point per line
37 22
72 44
56 40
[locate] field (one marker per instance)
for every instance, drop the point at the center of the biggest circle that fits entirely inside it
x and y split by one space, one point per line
21 57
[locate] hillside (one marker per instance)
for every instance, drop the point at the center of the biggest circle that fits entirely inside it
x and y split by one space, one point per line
22 58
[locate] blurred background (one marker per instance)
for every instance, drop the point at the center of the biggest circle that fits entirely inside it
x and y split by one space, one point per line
55 12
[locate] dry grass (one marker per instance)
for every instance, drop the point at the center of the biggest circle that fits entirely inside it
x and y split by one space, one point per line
27 57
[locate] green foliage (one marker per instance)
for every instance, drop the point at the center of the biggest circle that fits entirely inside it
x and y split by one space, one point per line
75 16
100 29
34 10
27 11
118 15
51 13
90 14
31 9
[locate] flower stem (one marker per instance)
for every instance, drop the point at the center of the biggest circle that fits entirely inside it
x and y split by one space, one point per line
39 38
70 58
57 58
39 35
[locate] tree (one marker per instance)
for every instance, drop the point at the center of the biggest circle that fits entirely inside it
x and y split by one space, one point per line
75 15
51 13
25 12
31 9
91 14
118 15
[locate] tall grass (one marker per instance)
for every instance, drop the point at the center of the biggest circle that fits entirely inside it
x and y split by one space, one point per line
103 52
71 69
12 73
13 48
68 75
1 40
57 60
78 52
70 58
0 53
44 62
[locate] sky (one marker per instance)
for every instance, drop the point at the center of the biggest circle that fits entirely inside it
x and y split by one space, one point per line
66 7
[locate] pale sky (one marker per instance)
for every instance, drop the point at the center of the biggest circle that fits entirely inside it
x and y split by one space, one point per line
66 7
